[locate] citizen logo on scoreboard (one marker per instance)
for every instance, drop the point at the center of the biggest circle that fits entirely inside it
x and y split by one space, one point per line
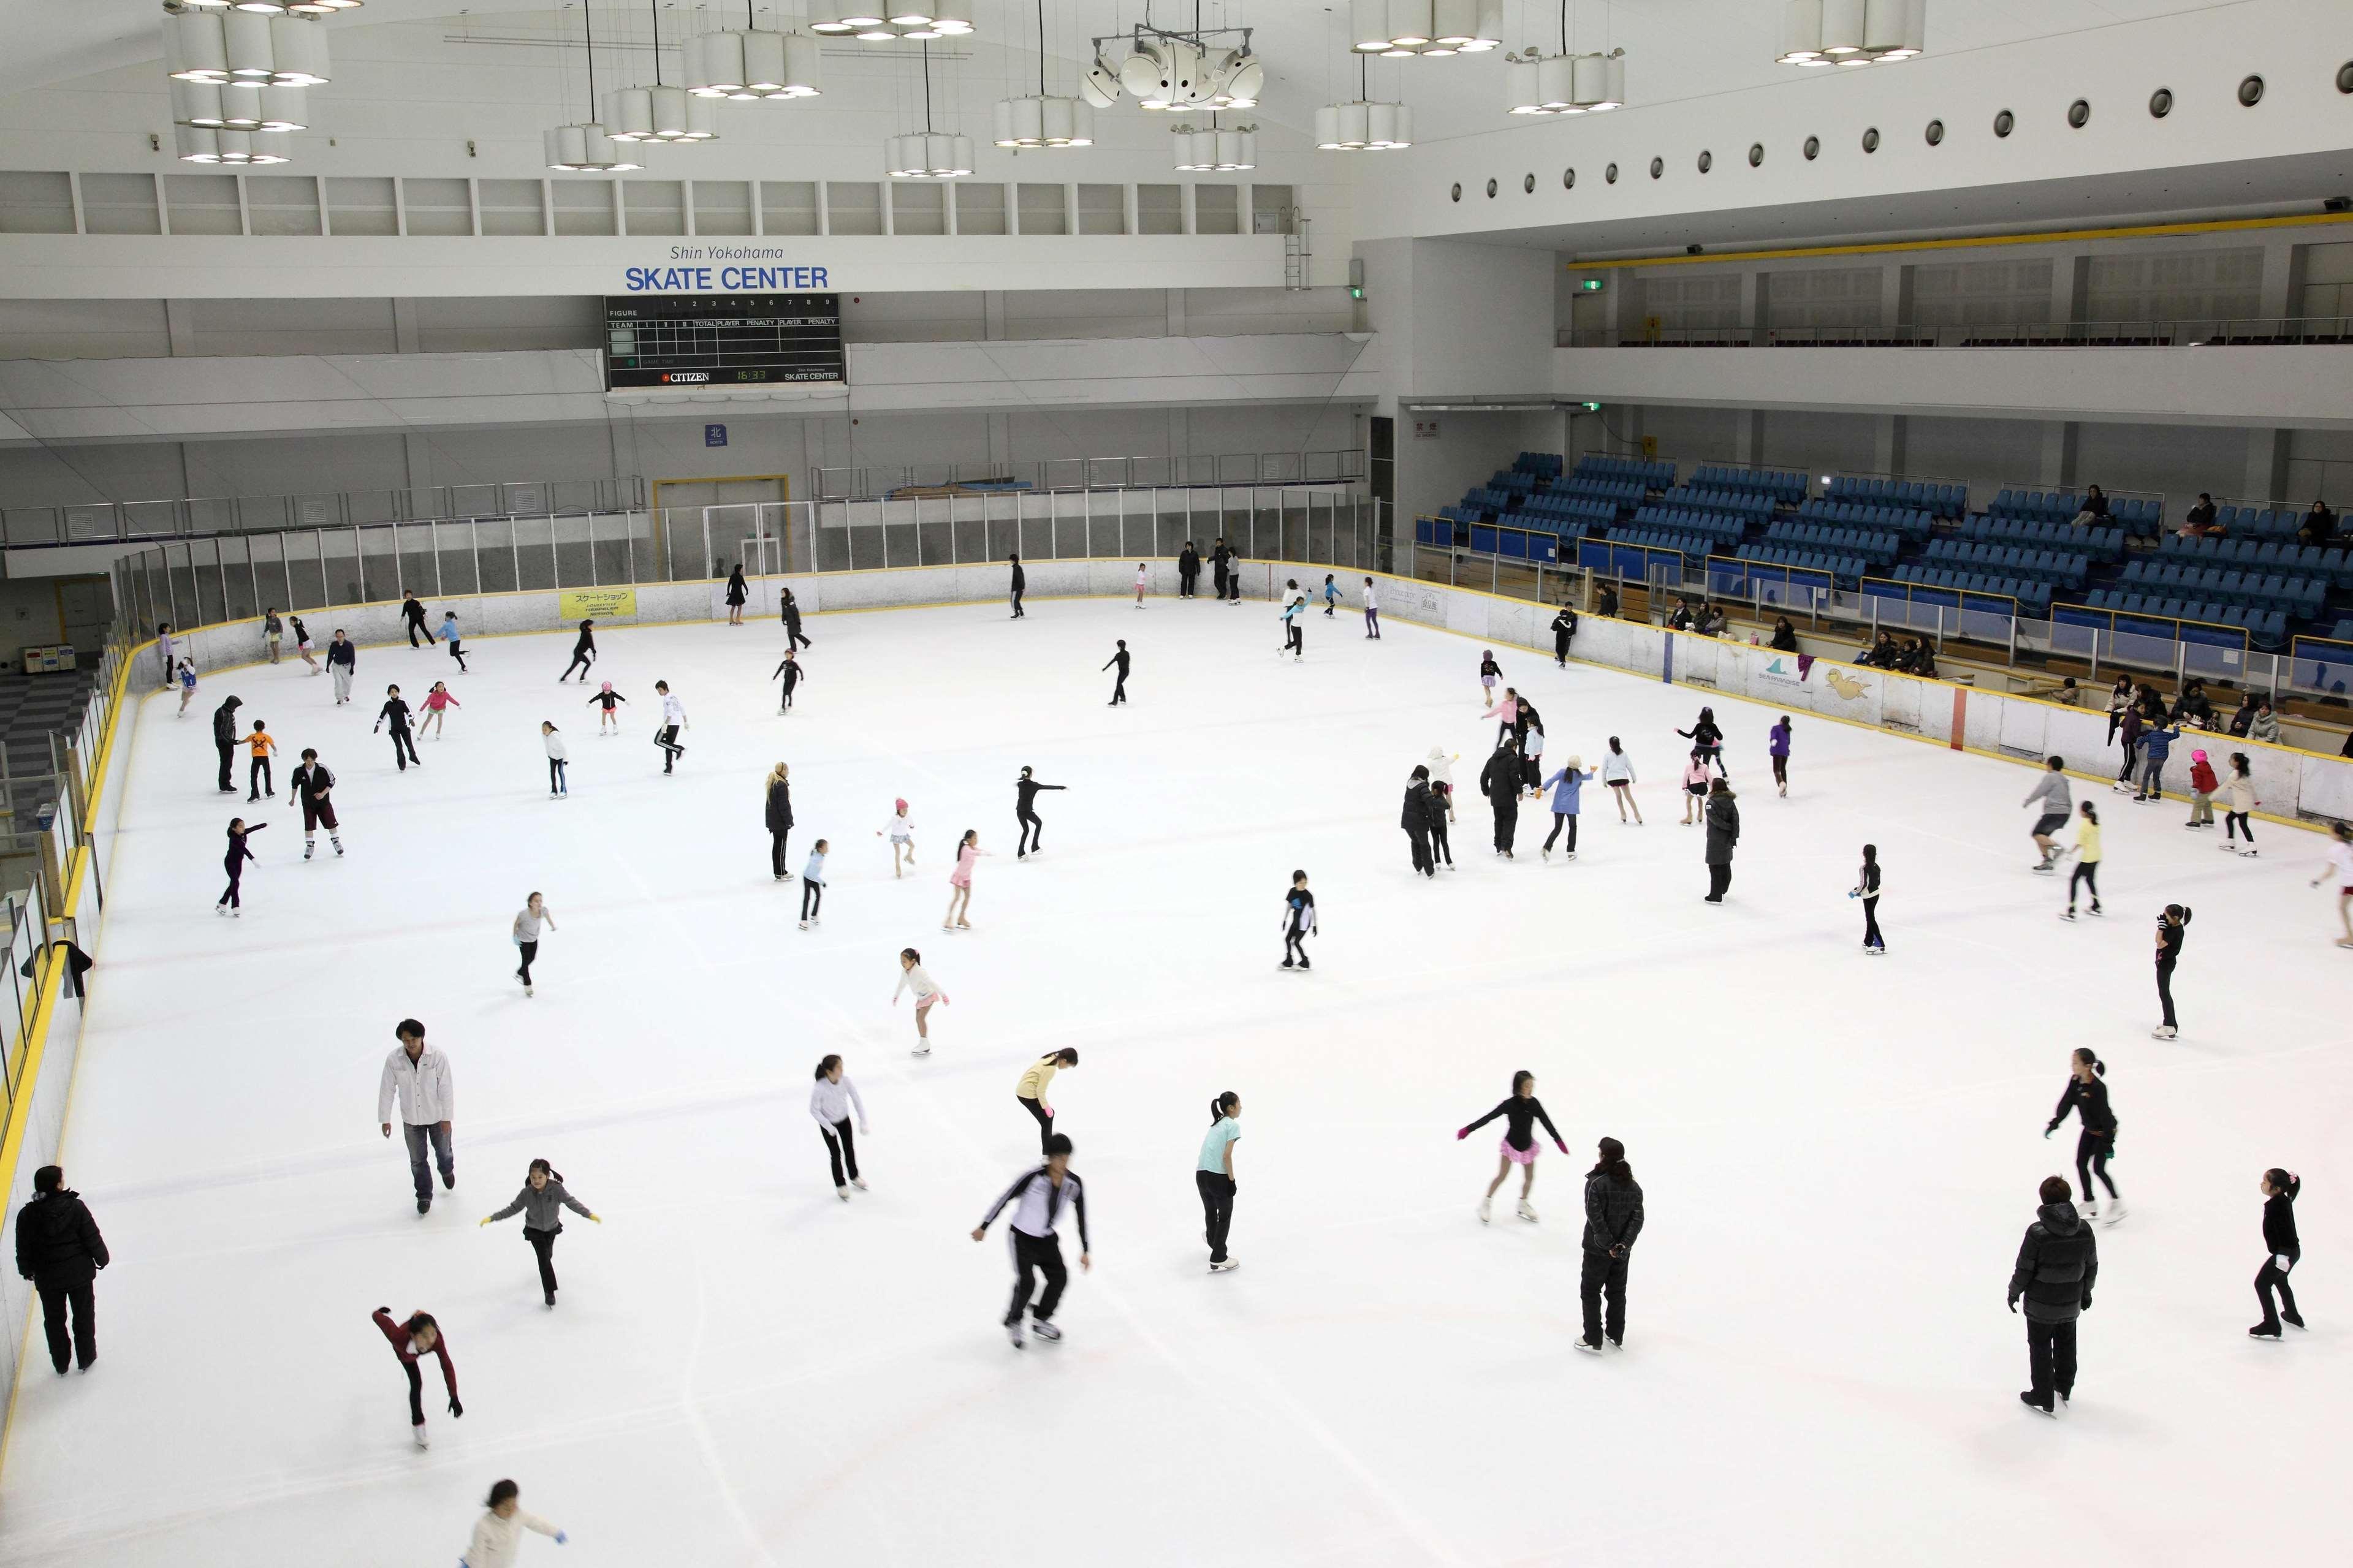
679 377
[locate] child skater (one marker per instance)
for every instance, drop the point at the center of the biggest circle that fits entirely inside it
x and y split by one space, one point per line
187 676
1140 580
1298 920
1618 773
450 635
1441 812
1372 614
1489 673
437 702
1030 1089
813 884
1037 1199
403 744
1866 888
2340 866
1119 683
2173 929
414 1338
2088 1097
558 761
830 1103
2202 785
257 777
302 643
528 919
1295 606
497 1534
1567 784
2238 799
1214 1175
902 834
1694 784
608 722
1331 595
1521 1111
968 850
2280 1187
914 977
1706 739
310 784
541 1202
1778 741
791 672
230 904
1025 812
2087 865
1441 772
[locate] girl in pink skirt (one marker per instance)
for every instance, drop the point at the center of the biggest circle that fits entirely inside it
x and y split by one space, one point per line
1490 672
436 701
1521 1111
913 976
968 849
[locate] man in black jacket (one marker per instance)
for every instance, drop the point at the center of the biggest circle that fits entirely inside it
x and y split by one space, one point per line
2057 1263
1220 562
1020 581
412 610
1189 570
60 1251
1613 1218
224 740
1499 781
1415 820
1564 627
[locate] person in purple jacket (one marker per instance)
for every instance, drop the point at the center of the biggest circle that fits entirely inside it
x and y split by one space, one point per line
1569 781
1779 737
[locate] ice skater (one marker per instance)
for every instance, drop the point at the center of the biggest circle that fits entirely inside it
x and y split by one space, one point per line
1489 673
1567 784
541 1202
1441 814
673 720
449 634
968 851
2280 1187
1707 739
311 786
1778 744
559 762
343 664
168 649
2086 1095
1141 577
1866 888
1499 781
1695 783
914 978
1613 1219
1298 921
2202 786
832 1099
736 594
234 864
497 1534
528 920
418 1077
414 1338
1618 773
1531 733
2339 866
1295 609
813 884
303 642
60 1250
583 654
902 834
225 741
2238 800
1442 773
2172 927
412 613
2156 747
1372 614
1037 1199
778 812
1220 562
1414 817
790 609
790 671
1018 581
608 722
1189 570
1029 1092
1564 629
258 782
2086 869
2128 737
1213 1173
1033 828
188 678
1119 683
1506 714
1722 834
2057 800
2057 1264
1521 1109
437 702
403 744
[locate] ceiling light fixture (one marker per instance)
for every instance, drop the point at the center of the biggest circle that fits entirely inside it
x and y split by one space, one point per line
585 147
752 64
938 21
1396 29
1363 126
238 106
1566 83
277 8
661 112
927 154
235 149
1215 149
1045 120
1852 32
1164 69
246 47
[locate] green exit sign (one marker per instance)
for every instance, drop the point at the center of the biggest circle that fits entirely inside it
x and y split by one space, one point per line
1590 285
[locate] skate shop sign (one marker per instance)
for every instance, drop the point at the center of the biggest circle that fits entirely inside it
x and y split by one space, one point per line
595 604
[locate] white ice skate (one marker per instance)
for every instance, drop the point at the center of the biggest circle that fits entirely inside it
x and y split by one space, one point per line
1589 1347
2068 915
858 1182
1527 1212
418 1432
2164 1032
921 1051
1039 1329
2248 853
308 849
1013 1332
804 925
842 1193
1226 1266
2114 1212
1486 1205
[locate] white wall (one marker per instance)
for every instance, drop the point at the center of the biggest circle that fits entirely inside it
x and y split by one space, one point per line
1986 453
1433 472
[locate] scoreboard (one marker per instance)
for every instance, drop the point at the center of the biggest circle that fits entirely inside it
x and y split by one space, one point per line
722 339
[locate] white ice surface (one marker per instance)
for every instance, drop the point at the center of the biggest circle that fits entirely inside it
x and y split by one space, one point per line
1839 1152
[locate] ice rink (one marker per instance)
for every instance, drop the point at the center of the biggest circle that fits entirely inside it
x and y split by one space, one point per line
1838 1153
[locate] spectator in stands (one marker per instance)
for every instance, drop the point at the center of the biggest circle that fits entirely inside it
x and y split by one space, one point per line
2199 523
2096 510
1924 663
1881 654
1606 601
2194 706
2242 719
1683 620
1711 621
1784 636
2319 525
2266 726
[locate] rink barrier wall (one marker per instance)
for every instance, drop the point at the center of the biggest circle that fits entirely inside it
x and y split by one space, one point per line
52 1049
2293 786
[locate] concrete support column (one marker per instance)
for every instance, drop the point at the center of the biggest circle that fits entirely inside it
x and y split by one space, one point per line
2070 282
417 452
1000 443
1753 299
180 323
1887 436
1175 311
1749 438
2283 289
992 309
2266 465
2058 467
1894 294
403 327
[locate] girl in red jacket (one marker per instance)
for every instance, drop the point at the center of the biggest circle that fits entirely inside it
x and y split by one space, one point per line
412 1339
2202 784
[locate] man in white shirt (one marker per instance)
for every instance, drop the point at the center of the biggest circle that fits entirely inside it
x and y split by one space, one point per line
673 720
420 1079
1038 1197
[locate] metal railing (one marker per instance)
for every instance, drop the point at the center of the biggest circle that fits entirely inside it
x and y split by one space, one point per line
876 480
2214 330
98 522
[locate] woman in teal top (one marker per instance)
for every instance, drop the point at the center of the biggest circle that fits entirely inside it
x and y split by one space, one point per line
1215 1177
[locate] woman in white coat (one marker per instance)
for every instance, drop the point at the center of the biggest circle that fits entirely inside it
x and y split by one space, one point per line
497 1534
1440 763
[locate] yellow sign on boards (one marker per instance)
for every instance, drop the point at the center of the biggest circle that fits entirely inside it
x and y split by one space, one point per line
589 603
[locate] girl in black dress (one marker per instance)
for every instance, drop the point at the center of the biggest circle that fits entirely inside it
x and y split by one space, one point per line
736 594
1520 1112
2280 1188
583 654
2087 1096
1033 827
1707 739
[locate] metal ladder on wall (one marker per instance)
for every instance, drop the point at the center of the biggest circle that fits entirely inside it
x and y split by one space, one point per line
1295 255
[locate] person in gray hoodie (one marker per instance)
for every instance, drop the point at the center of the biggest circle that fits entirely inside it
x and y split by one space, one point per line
1722 816
539 1203
2057 1264
2058 803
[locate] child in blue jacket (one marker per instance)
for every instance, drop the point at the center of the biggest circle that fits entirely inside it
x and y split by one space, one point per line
1570 780
2156 741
